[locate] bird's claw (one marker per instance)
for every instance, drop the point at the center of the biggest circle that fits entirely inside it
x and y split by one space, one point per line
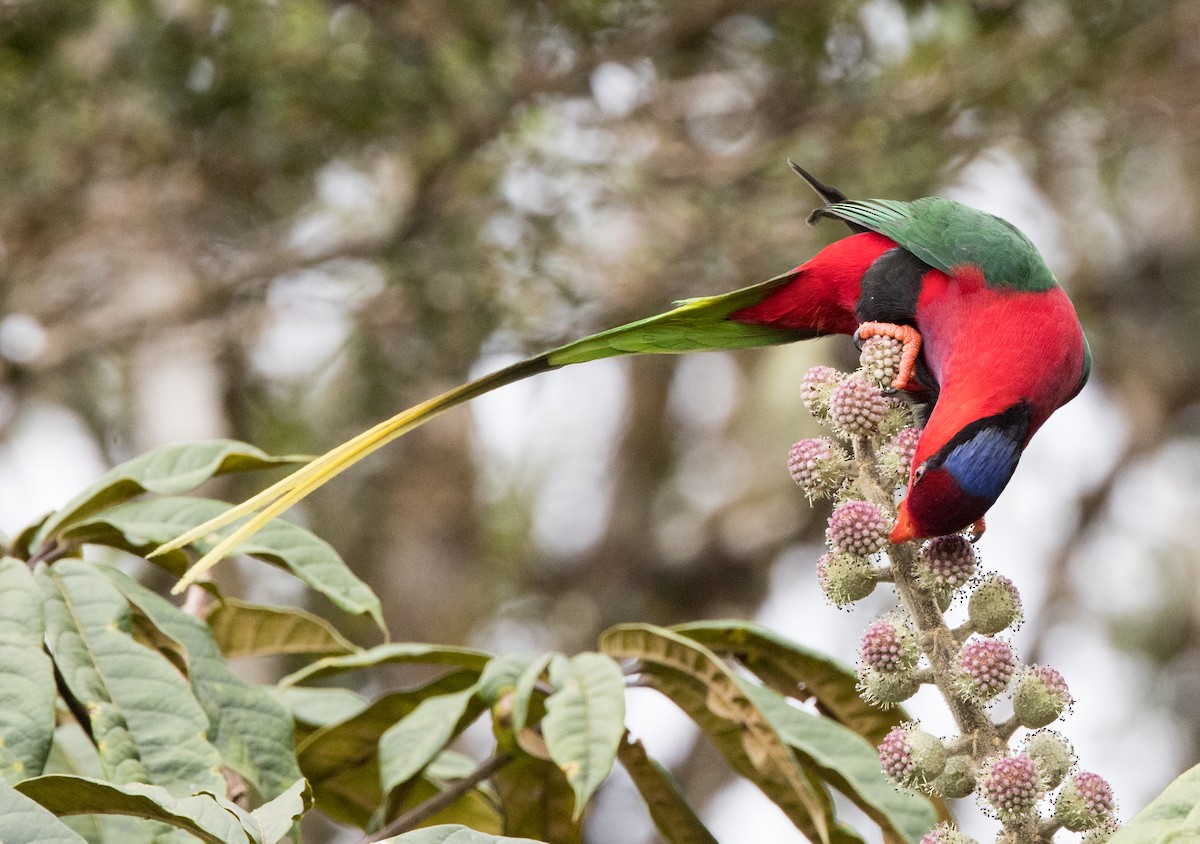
909 338
976 531
858 338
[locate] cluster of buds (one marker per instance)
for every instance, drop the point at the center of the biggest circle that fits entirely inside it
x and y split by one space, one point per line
1033 789
1012 786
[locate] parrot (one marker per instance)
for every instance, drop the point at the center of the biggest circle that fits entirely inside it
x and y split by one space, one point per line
992 346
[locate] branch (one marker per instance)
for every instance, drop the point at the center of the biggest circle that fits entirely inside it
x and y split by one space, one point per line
442 800
938 641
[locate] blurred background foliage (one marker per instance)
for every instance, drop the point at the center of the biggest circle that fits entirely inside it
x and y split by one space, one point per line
283 221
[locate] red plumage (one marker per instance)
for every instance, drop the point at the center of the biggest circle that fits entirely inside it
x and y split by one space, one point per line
824 295
990 348
1001 360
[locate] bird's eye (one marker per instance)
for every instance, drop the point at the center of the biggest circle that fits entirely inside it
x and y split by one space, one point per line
918 472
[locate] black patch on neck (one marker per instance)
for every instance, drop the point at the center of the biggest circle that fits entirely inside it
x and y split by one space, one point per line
890 288
888 293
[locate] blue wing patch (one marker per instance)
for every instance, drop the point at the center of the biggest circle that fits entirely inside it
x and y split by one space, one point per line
983 464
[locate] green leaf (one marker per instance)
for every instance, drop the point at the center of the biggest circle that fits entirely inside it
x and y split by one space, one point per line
797 671
353 740
516 675
320 707
27 690
501 674
585 719
451 765
839 832
1172 817
673 816
26 822
750 751
144 717
697 324
413 742
350 797
847 761
274 821
340 759
206 816
452 834
141 526
167 470
249 728
73 753
314 561
402 652
243 629
697 681
203 815
537 801
523 692
20 546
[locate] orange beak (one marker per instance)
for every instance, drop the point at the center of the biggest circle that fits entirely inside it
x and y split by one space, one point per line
905 529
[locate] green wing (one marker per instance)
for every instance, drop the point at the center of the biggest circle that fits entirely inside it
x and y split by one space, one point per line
946 234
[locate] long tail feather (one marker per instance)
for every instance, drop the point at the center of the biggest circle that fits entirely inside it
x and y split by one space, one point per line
694 325
279 497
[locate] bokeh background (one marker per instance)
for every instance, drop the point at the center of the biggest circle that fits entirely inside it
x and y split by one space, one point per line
283 221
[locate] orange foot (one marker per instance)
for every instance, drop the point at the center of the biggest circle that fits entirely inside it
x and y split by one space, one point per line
907 335
977 530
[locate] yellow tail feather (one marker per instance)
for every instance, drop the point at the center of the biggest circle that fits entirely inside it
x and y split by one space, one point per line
694 325
277 498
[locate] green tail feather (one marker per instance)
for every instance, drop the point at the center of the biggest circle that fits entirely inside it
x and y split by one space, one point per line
694 325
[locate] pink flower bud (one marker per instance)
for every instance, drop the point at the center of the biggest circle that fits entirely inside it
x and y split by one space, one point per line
944 833
889 646
905 445
985 667
1085 802
818 465
857 407
911 756
817 387
858 528
1010 784
947 562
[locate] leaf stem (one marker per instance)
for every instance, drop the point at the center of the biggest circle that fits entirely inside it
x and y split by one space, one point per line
441 800
54 551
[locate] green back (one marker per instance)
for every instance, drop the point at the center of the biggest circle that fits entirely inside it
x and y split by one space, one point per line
946 234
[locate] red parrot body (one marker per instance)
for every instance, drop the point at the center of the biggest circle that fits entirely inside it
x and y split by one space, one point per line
997 360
